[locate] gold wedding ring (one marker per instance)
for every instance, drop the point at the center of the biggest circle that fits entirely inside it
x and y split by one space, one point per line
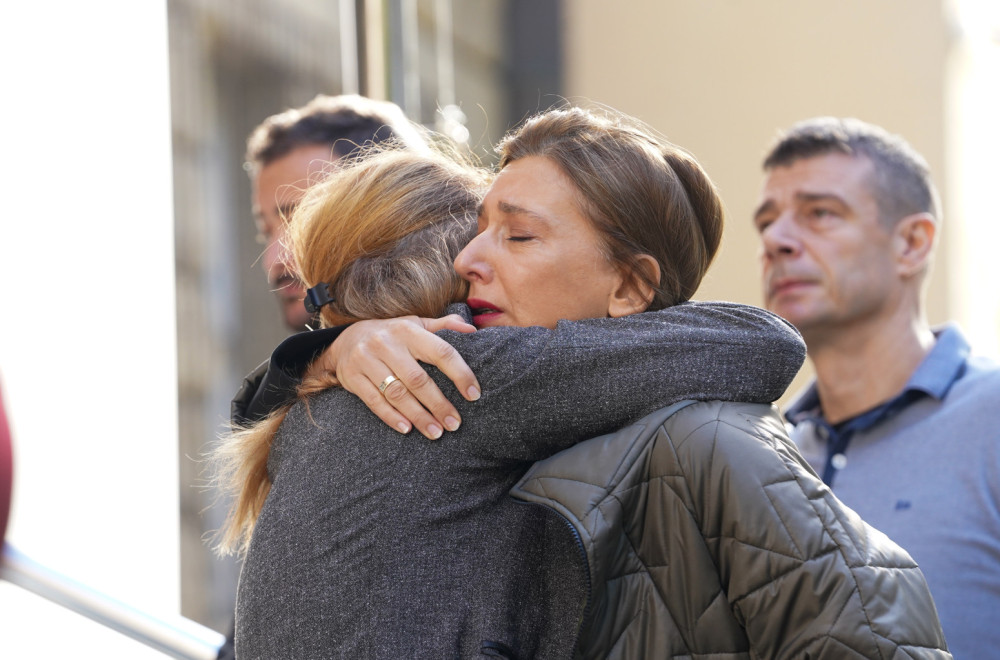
389 380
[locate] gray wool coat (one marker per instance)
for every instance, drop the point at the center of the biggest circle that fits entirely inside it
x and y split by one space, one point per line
372 544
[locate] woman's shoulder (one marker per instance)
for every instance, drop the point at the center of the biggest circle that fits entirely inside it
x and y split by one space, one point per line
747 443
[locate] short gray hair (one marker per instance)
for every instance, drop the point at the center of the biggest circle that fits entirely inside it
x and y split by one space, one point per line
903 184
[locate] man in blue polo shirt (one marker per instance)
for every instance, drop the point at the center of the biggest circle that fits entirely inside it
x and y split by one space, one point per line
901 421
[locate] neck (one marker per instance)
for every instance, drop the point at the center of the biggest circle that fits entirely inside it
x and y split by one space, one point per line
864 366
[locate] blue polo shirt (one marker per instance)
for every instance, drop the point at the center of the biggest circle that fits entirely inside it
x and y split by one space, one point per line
939 370
924 468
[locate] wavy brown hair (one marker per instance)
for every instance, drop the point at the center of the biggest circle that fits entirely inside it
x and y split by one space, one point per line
382 233
644 195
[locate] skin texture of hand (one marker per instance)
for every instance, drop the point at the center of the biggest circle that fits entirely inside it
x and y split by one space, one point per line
368 351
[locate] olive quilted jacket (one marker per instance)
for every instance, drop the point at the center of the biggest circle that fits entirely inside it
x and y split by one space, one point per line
706 535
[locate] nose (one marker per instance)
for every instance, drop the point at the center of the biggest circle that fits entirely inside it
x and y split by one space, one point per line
275 259
780 238
472 263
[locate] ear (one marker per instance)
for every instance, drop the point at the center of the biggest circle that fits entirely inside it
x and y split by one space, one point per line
634 294
913 243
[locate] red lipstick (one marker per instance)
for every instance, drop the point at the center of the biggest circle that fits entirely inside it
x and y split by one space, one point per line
483 312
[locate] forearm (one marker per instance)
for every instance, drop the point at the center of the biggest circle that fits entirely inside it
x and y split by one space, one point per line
546 389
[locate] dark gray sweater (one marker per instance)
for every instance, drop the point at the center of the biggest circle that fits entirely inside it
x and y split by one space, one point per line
376 545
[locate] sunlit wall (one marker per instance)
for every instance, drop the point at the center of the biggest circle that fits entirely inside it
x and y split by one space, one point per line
973 138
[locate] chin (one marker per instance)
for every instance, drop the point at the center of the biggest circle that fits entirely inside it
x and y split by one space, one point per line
790 313
298 322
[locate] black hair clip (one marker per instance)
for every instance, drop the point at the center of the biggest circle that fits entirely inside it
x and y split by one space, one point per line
318 296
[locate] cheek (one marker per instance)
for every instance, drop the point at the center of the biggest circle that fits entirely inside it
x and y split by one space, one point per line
276 254
537 293
855 275
565 276
584 287
270 256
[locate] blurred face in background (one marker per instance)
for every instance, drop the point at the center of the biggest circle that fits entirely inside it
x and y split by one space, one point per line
278 187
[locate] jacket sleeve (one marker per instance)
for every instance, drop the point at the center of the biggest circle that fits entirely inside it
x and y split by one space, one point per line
548 389
804 575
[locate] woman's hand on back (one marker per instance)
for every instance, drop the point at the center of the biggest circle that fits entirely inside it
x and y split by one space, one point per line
367 353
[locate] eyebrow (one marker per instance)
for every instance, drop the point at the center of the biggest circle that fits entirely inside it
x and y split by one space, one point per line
820 197
285 210
801 197
513 209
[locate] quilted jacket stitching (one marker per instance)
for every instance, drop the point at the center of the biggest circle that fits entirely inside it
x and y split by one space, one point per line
791 477
836 548
817 501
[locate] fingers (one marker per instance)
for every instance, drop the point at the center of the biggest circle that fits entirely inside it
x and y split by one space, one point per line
403 400
369 351
432 349
444 356
349 358
379 405
449 322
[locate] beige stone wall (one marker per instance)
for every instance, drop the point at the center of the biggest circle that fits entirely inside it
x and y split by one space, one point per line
720 77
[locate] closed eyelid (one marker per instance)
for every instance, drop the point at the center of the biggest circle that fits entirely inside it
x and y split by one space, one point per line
762 222
823 210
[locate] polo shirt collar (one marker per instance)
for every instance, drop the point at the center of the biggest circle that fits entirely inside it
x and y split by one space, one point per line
935 375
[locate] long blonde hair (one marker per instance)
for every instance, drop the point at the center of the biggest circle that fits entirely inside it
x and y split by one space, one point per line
382 232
